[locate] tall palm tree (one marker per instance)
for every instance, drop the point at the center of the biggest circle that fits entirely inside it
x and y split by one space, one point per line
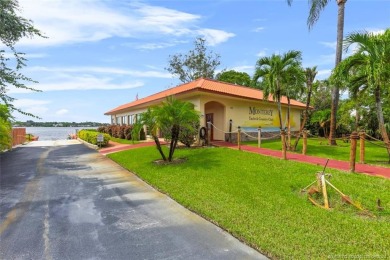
275 72
310 75
294 90
316 7
368 70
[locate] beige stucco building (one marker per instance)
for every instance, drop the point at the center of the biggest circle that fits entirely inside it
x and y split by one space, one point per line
226 105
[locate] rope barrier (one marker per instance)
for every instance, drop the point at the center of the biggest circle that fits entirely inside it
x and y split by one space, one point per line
384 146
216 128
249 135
374 138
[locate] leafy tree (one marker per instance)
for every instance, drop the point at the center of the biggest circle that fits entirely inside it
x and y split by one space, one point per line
316 7
322 119
170 117
197 63
13 28
235 77
368 71
5 128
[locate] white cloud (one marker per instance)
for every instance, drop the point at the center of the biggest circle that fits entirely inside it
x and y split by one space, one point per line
35 107
262 53
323 74
103 70
62 112
81 82
244 68
73 21
23 103
331 45
375 31
154 46
214 37
258 29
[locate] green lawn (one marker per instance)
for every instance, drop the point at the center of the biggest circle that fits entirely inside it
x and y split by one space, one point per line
123 141
258 200
374 154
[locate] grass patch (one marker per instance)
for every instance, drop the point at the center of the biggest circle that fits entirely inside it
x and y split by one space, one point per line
319 147
258 200
123 141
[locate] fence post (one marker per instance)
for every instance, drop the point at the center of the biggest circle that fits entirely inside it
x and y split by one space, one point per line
259 136
208 133
352 155
230 130
239 138
362 135
283 137
304 148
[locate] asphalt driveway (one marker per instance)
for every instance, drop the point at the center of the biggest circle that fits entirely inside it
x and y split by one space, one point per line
62 200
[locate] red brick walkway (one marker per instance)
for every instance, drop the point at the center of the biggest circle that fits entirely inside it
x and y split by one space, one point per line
114 147
341 165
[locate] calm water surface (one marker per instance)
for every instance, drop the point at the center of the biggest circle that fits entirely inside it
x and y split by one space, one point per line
54 133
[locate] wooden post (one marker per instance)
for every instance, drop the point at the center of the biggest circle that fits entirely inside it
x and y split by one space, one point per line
209 133
259 137
352 155
230 130
362 135
283 138
304 147
324 191
239 138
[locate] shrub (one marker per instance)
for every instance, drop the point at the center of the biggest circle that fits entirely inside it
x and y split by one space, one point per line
91 137
127 132
102 129
187 135
142 135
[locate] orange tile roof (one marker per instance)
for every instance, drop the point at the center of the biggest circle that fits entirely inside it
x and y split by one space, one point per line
205 85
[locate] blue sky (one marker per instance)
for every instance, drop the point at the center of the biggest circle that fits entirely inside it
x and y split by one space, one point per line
100 54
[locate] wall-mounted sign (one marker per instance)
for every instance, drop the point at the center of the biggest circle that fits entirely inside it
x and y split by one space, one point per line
261 115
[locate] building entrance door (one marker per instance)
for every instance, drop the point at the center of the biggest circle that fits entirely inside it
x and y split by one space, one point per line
210 118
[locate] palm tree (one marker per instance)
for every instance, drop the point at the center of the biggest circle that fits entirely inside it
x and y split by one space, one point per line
172 116
276 73
310 75
316 7
149 119
322 118
294 90
368 70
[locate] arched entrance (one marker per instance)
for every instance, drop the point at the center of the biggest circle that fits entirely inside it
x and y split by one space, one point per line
215 112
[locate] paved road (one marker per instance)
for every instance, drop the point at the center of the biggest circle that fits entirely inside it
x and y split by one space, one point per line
62 200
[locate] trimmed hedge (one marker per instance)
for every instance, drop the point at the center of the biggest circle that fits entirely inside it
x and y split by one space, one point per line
121 131
91 137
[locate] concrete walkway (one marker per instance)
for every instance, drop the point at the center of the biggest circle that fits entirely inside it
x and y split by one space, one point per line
336 164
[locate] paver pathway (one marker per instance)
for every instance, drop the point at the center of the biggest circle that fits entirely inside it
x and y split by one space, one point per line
336 164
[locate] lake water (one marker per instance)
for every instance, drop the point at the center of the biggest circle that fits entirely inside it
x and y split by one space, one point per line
54 133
